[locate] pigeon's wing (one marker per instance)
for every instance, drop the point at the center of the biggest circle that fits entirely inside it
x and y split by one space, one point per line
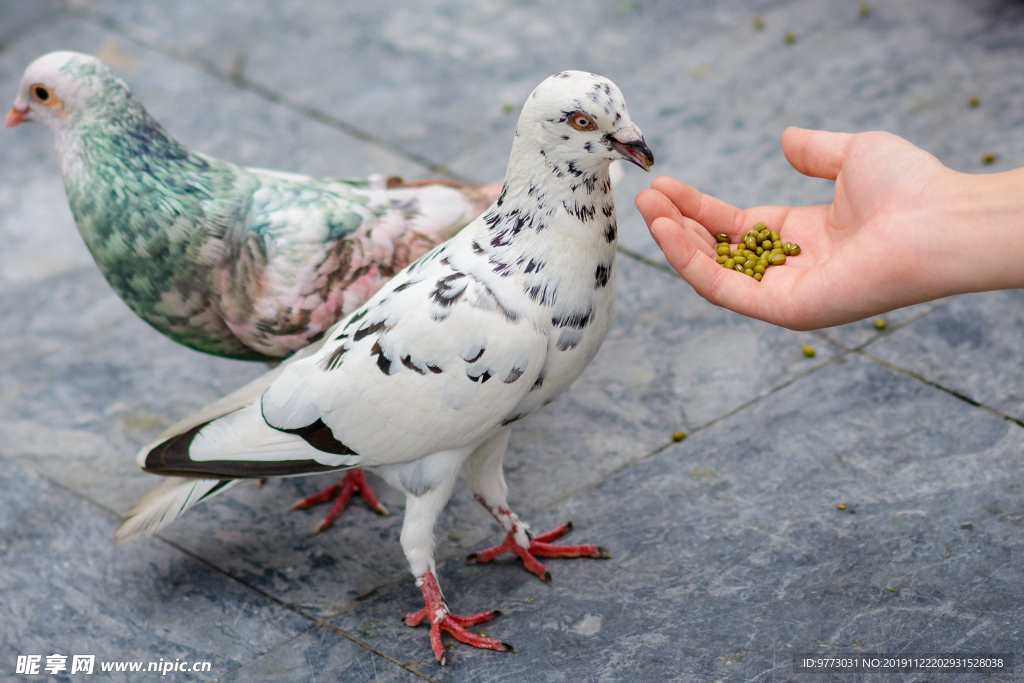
318 249
432 363
231 403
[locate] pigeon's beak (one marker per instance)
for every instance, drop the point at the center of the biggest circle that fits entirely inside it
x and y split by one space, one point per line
633 150
17 113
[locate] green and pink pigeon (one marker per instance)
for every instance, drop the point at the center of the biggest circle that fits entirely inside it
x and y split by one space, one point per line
238 262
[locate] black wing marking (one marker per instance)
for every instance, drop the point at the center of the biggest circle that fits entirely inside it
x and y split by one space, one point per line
170 458
319 436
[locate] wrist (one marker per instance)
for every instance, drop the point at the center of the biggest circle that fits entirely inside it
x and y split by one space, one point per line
984 214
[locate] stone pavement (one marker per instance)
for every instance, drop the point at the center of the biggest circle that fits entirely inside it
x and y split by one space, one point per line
730 554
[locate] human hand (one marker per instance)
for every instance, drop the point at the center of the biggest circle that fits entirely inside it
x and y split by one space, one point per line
893 235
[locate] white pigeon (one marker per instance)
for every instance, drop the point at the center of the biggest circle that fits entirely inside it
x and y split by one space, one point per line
430 374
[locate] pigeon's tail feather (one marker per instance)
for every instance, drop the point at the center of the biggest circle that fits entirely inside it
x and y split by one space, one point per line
241 445
211 457
165 503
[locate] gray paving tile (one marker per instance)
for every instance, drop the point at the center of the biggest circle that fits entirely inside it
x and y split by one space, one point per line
712 94
858 335
443 79
971 345
715 106
697 363
84 383
38 237
452 63
730 554
66 589
21 18
80 416
67 307
98 389
320 655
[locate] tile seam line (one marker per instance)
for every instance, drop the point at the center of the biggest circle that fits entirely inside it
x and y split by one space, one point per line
844 353
242 82
940 304
819 332
391 585
626 465
283 643
266 93
388 586
272 649
935 385
314 621
453 556
295 610
637 256
247 84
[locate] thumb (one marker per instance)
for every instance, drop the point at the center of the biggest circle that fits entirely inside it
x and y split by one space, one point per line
816 153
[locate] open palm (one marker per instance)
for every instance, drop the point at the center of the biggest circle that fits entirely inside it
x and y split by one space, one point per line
865 253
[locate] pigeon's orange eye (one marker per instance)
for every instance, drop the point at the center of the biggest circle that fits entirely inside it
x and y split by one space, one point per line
40 93
581 121
44 96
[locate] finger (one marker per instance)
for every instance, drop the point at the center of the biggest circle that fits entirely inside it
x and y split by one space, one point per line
714 214
653 204
815 153
722 287
717 216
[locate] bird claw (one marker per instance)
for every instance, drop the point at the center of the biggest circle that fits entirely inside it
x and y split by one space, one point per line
539 546
342 490
436 612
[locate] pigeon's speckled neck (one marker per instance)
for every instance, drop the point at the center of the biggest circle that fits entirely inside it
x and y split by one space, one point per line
547 248
550 205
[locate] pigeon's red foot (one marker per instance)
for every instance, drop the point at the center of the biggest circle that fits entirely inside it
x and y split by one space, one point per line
441 619
539 546
354 481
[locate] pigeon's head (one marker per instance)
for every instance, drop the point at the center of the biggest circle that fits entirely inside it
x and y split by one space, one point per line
58 88
580 118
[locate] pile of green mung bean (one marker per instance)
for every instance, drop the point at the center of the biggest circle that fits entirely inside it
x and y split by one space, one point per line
759 249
